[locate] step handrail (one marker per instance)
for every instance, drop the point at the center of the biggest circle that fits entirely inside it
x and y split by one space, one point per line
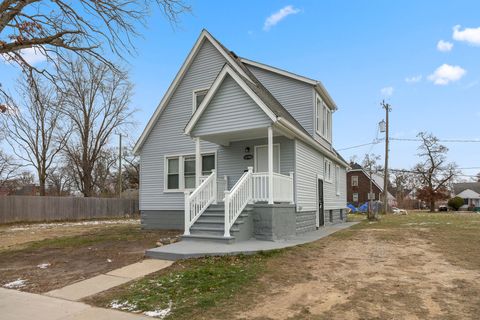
237 199
199 200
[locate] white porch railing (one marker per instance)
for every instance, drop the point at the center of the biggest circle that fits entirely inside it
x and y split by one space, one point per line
222 185
282 187
254 187
237 199
199 200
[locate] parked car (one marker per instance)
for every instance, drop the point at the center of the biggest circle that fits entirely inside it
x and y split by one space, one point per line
442 208
399 211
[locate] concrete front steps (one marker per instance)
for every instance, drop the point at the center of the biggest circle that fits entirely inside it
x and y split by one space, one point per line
210 226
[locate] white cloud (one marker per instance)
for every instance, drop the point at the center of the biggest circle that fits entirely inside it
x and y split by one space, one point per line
444 46
387 92
446 73
31 55
413 79
278 16
469 35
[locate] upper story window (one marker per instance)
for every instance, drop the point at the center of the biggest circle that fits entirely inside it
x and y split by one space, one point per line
323 123
198 96
354 181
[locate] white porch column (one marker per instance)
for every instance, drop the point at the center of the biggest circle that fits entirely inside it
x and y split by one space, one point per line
198 162
270 165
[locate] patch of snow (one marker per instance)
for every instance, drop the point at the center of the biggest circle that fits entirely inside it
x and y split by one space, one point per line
159 313
123 305
109 260
19 283
43 265
72 224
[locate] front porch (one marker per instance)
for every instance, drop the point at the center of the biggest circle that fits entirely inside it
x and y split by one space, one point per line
214 206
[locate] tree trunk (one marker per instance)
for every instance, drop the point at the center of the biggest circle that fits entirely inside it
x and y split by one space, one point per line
432 205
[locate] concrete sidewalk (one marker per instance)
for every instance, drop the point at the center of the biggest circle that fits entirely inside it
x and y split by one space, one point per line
195 249
85 288
17 305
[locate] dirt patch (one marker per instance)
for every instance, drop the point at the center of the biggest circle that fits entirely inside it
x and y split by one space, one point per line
61 260
370 275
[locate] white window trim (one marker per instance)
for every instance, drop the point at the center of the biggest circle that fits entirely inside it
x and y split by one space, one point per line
263 146
325 115
328 175
353 196
337 180
351 182
181 157
194 98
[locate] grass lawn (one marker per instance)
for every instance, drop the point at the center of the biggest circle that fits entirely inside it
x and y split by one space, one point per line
420 266
68 253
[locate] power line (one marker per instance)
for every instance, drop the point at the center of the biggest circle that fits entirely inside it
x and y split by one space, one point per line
440 140
362 145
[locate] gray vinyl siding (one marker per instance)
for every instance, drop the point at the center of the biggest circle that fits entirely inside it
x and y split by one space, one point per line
294 95
299 98
167 137
231 109
309 164
231 163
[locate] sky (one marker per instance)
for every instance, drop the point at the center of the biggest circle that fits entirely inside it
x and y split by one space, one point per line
422 57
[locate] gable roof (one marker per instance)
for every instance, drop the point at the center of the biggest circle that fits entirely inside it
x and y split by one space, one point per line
204 36
235 67
377 178
459 187
317 84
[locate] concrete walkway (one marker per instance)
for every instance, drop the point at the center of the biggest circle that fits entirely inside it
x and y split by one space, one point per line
195 249
17 305
85 288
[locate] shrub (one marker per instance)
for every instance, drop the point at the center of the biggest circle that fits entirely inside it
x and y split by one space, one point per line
455 203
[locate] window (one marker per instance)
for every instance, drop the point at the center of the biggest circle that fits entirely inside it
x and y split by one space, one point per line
337 180
189 172
208 164
323 121
371 196
354 181
173 173
180 171
327 170
198 97
355 197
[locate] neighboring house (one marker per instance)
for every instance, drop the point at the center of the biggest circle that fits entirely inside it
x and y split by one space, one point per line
239 149
358 186
470 192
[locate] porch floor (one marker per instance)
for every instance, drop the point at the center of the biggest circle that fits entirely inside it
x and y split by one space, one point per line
197 249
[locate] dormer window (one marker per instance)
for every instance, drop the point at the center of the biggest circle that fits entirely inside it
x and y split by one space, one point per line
198 96
323 121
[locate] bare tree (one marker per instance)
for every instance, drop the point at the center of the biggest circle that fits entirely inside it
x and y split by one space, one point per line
87 28
105 172
371 166
131 170
8 168
433 171
60 180
36 130
96 101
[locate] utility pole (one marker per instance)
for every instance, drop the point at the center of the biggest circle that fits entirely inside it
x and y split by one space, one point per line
387 108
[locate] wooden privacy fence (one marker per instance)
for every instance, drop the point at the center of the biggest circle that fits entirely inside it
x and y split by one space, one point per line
35 208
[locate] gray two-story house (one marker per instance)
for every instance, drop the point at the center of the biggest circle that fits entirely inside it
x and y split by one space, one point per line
239 149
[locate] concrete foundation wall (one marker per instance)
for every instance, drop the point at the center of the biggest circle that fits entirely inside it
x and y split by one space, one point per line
305 221
162 219
273 222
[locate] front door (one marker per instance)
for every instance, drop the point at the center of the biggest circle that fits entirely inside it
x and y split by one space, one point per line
261 158
321 212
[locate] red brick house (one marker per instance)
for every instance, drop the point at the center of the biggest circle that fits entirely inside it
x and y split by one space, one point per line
358 186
